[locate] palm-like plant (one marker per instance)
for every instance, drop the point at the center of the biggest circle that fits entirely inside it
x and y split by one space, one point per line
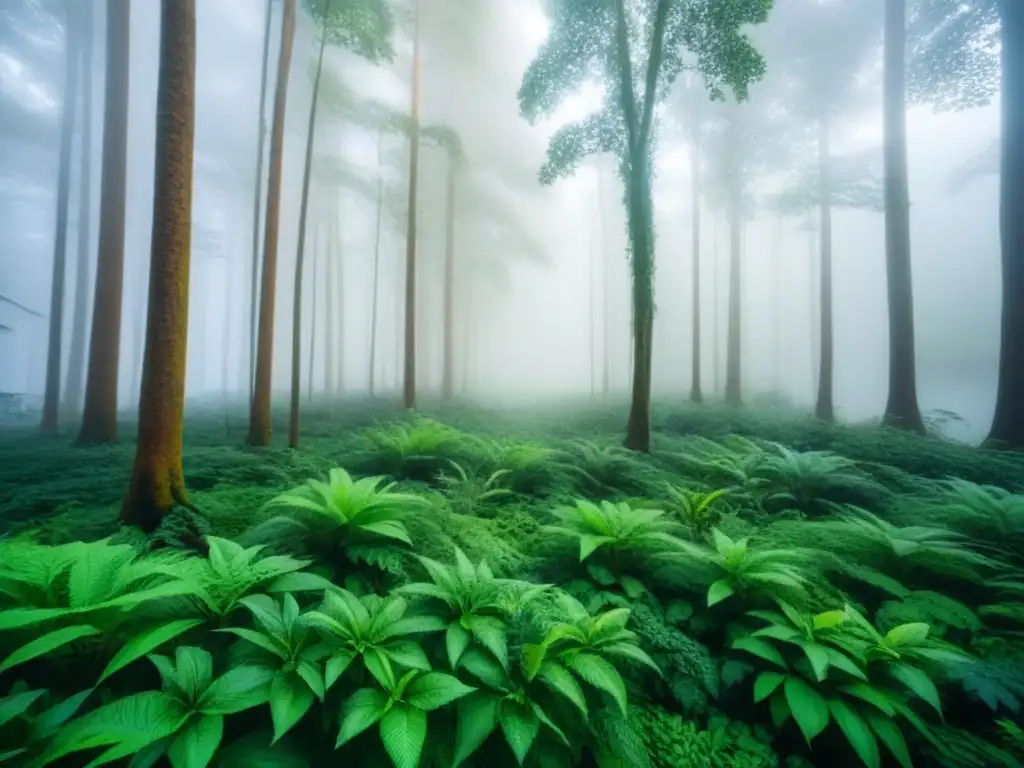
695 509
985 513
806 479
467 491
615 527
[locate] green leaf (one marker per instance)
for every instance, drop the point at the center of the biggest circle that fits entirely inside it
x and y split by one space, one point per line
380 667
520 726
857 733
434 690
236 690
560 680
760 648
839 660
818 656
391 529
891 736
601 574
634 588
407 653
361 710
47 643
766 684
403 730
53 718
145 643
313 677
589 543
872 696
336 666
299 581
17 704
490 633
809 709
913 633
828 620
477 719
678 611
533 656
196 745
456 641
719 591
918 682
486 668
290 700
600 674
779 708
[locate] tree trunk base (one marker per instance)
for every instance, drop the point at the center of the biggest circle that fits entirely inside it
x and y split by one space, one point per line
912 423
696 396
637 437
153 493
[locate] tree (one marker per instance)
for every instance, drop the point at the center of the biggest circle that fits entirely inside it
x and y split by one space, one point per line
636 48
261 135
99 416
75 383
374 312
54 358
157 481
409 378
259 413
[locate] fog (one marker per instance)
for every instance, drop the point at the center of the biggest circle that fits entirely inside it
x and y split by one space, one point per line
541 270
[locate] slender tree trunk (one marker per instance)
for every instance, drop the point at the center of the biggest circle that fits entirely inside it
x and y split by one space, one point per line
733 371
824 408
339 249
54 358
75 385
592 312
330 297
99 416
314 282
374 303
448 372
261 135
157 481
1008 422
467 352
293 420
813 294
716 310
409 383
695 390
259 416
606 373
638 427
901 410
139 333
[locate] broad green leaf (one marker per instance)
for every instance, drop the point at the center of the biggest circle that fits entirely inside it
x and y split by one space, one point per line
629 650
760 648
809 709
17 704
193 668
818 656
560 680
490 633
477 719
336 666
891 736
589 543
520 726
766 684
601 574
918 682
236 690
857 733
871 695
456 641
486 668
778 632
19 618
266 612
145 643
533 656
719 591
290 700
380 667
403 730
434 690
828 620
407 653
840 660
313 677
47 643
906 634
634 588
361 710
391 529
196 745
299 581
600 674
678 611
779 708
53 718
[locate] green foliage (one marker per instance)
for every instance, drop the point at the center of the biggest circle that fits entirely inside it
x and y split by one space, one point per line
615 528
364 27
674 742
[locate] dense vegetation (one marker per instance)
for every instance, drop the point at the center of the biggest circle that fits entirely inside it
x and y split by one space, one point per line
486 588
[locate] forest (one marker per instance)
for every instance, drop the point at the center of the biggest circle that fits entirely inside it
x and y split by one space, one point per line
548 383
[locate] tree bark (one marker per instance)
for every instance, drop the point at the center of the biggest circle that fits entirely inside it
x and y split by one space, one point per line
157 481
606 373
824 408
374 302
312 323
54 358
293 420
1007 429
734 342
74 387
901 410
338 243
716 310
696 395
409 382
261 136
330 297
448 373
259 415
99 416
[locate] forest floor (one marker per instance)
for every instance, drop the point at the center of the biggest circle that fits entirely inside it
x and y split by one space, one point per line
916 532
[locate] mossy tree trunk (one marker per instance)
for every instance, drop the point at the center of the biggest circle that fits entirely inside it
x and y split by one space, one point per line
259 414
54 358
99 416
157 481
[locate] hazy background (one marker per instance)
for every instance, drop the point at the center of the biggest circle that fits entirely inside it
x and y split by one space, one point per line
530 300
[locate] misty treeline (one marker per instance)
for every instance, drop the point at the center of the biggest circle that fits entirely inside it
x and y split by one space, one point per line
754 91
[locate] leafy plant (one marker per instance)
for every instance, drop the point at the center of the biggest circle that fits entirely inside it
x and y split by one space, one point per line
695 509
26 727
468 493
615 527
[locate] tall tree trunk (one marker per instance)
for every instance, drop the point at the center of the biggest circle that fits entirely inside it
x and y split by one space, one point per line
901 409
259 415
824 408
330 297
293 419
75 384
338 239
638 426
695 390
813 296
157 481
468 339
409 382
716 309
777 305
1008 422
592 311
374 301
448 372
314 282
261 136
99 416
733 370
54 358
